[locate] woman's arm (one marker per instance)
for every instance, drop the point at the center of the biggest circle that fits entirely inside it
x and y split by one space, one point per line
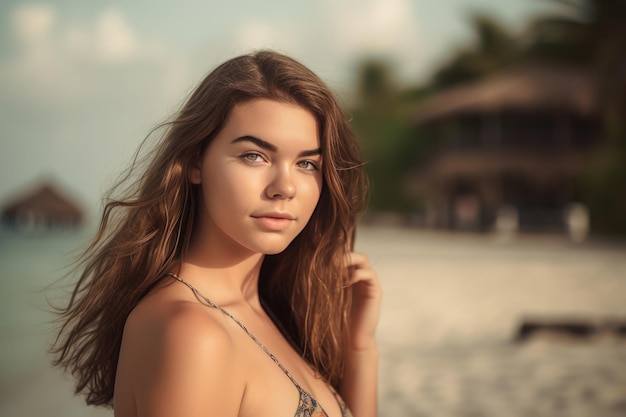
359 387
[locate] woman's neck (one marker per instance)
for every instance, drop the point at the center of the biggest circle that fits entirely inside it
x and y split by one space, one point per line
225 272
233 283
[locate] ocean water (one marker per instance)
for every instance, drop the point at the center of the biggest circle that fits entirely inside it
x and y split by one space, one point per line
452 305
28 264
31 267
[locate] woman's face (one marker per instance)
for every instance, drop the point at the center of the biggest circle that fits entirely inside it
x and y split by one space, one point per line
260 177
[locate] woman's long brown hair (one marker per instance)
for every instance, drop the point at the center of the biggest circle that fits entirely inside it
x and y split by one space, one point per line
145 232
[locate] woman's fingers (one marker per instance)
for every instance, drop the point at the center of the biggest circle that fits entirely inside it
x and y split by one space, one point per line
366 301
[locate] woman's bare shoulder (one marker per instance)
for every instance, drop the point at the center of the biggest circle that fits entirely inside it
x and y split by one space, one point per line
162 316
165 326
180 356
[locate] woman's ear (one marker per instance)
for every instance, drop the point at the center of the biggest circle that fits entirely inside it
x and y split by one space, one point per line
195 170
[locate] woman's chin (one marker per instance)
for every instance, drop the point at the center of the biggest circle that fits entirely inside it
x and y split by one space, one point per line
274 250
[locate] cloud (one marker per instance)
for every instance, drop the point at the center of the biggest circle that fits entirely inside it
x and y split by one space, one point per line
379 25
57 64
33 23
376 27
265 34
254 35
114 39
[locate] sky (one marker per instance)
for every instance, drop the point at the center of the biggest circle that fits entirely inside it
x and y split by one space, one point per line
82 83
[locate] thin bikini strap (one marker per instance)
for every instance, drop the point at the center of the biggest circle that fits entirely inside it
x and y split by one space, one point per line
243 327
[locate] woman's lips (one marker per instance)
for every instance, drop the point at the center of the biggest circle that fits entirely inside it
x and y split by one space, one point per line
273 221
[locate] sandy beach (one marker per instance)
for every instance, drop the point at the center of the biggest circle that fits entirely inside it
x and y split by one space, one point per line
451 309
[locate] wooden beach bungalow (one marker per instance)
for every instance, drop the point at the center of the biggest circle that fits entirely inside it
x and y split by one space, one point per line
509 150
44 207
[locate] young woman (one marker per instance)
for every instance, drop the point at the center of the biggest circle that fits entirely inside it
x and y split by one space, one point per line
223 284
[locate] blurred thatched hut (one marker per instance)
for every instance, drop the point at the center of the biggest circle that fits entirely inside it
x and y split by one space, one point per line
514 142
43 207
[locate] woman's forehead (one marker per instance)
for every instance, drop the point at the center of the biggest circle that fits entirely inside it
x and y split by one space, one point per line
273 121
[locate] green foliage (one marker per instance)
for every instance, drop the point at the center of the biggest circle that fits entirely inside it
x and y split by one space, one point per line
556 39
381 119
495 48
375 81
604 191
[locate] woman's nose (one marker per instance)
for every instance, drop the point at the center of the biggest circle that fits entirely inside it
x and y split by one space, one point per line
281 185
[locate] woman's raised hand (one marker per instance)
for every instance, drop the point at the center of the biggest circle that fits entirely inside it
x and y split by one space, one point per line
366 303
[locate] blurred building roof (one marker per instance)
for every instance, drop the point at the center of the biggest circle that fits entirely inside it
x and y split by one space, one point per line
43 206
526 88
541 169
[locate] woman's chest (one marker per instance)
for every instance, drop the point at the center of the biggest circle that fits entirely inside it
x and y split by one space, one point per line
279 382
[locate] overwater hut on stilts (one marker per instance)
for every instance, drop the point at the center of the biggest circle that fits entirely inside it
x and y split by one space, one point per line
41 208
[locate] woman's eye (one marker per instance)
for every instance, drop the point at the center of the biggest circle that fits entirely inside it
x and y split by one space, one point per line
308 165
252 157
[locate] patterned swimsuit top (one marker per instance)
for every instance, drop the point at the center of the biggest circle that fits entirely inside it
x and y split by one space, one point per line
307 406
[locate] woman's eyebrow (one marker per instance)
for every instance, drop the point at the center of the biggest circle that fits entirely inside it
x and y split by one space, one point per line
312 152
272 148
258 142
